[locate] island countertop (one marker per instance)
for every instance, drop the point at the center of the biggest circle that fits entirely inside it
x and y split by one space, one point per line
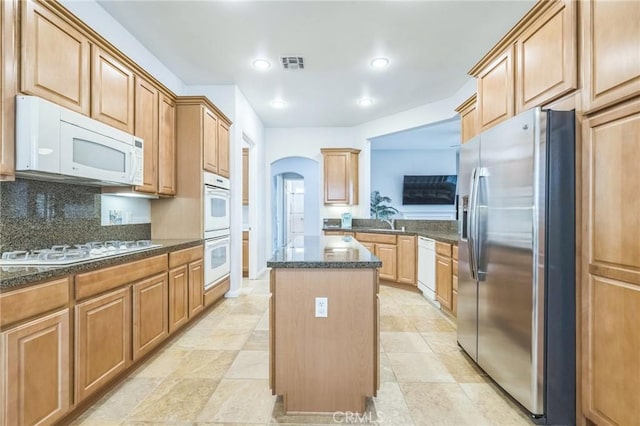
324 252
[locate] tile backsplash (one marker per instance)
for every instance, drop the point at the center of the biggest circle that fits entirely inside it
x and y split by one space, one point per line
38 214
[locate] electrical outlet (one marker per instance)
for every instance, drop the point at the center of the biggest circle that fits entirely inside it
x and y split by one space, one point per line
322 307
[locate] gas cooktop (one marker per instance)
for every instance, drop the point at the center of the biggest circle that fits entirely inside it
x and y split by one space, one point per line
66 255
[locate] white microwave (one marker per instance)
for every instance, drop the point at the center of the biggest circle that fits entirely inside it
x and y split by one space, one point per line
56 143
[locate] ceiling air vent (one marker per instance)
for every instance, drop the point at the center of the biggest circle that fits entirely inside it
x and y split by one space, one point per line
292 62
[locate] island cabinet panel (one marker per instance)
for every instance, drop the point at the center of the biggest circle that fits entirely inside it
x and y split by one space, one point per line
103 340
340 175
150 314
387 253
210 141
167 153
407 259
223 149
112 91
546 57
321 364
178 298
611 265
443 281
146 127
611 39
55 58
36 371
495 91
8 86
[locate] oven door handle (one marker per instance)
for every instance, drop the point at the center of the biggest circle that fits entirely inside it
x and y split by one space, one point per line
217 242
223 192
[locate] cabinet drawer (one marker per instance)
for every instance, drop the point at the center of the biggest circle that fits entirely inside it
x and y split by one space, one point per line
443 249
185 256
375 238
31 301
105 279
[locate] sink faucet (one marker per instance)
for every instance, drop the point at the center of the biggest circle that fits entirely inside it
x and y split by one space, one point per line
391 222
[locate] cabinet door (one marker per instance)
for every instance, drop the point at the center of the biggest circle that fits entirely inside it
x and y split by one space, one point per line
611 256
340 176
178 298
196 287
103 340
407 259
55 58
223 149
150 313
8 86
387 254
469 122
37 375
495 91
112 87
547 62
167 146
611 35
146 127
245 254
245 176
443 281
369 246
210 141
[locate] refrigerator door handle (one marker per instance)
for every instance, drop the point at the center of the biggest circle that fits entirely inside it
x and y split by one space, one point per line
471 225
481 173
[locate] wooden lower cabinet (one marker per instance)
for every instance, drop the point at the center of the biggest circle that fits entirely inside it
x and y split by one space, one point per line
103 340
150 314
178 298
245 253
407 263
443 281
196 287
36 360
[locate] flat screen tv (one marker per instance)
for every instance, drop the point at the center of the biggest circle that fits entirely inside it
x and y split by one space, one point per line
439 189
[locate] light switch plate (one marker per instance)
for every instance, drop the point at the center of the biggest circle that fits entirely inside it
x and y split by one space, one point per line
322 307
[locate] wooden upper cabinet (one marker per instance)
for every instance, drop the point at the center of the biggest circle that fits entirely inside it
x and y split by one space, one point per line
340 175
223 149
407 259
611 40
546 57
112 91
55 58
146 127
468 119
495 91
8 86
37 365
103 340
167 146
210 141
245 176
150 313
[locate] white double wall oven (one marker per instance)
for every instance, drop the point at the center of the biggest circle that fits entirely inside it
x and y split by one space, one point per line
216 228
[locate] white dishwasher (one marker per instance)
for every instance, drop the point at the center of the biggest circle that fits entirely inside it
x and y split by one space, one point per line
427 267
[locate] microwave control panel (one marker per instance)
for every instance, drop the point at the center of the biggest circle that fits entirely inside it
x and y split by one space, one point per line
138 151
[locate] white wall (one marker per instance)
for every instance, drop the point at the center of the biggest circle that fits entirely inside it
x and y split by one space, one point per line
388 168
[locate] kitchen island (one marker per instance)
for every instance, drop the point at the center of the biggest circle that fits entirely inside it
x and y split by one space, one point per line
324 325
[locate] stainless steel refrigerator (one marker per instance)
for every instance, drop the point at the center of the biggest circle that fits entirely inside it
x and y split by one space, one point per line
516 279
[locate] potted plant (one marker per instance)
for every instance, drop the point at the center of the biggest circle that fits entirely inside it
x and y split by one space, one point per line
379 210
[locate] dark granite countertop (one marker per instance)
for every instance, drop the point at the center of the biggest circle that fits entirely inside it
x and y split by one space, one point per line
438 235
324 252
13 277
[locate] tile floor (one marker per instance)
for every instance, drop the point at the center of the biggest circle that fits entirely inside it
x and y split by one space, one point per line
216 372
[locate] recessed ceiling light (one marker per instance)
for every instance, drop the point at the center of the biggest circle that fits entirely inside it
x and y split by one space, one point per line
365 102
278 103
379 63
261 64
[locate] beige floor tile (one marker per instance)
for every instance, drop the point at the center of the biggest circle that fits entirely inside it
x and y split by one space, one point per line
219 339
239 322
123 399
257 341
402 341
430 325
86 420
263 324
462 368
441 342
230 402
395 323
279 417
255 305
404 297
386 371
423 311
204 364
250 365
443 404
177 400
494 405
418 367
162 364
391 407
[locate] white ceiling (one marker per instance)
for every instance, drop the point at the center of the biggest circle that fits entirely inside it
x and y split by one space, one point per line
431 45
442 135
